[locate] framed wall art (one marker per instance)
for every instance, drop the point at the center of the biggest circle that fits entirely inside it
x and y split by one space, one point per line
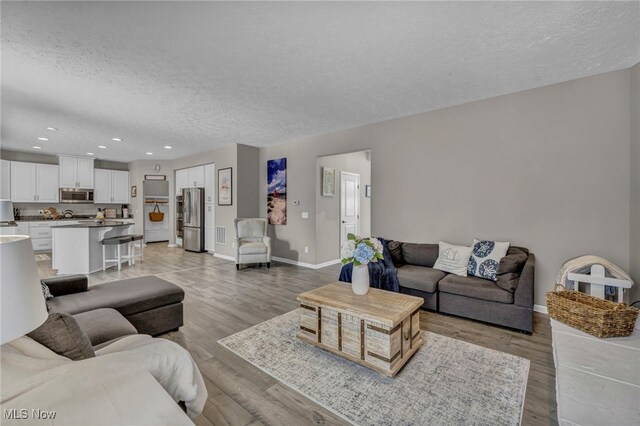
277 191
328 182
225 187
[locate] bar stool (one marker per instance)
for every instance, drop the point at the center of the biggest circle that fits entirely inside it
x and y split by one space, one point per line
117 241
137 241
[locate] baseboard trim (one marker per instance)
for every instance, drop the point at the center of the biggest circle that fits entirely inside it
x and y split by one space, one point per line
541 308
304 264
172 245
224 256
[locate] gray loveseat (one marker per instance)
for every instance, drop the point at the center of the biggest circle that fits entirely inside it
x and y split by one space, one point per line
150 304
507 302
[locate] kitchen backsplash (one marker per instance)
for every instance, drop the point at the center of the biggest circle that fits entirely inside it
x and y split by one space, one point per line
32 209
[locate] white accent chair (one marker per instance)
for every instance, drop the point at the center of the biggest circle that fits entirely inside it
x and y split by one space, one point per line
252 243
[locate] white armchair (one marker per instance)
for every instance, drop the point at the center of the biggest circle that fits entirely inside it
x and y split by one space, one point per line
252 243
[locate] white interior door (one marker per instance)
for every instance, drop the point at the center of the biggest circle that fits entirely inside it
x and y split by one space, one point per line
349 205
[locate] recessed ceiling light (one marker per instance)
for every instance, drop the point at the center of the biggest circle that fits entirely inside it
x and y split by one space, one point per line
102 147
36 147
51 128
116 139
149 153
167 147
90 153
43 139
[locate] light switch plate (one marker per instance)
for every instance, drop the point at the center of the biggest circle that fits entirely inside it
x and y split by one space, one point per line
305 215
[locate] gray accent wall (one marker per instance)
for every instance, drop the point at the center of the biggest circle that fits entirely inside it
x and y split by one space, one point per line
546 168
634 246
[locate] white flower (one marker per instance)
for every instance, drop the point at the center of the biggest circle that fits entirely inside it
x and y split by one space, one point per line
377 245
347 250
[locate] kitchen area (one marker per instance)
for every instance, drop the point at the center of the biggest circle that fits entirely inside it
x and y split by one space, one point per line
65 192
69 204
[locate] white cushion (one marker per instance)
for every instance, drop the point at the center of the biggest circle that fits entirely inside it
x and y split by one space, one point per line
253 248
485 258
453 259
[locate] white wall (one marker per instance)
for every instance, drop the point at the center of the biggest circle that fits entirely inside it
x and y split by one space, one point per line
634 245
546 169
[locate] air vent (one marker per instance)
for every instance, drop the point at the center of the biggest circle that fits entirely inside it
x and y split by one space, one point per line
221 234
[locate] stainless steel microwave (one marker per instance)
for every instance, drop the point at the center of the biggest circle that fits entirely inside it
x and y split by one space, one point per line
76 195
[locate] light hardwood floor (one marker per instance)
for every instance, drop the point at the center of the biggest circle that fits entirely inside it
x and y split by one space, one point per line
220 301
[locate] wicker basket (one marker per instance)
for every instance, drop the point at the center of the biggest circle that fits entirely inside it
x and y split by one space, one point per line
598 317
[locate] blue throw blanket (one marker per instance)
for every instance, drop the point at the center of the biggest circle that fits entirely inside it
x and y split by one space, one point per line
382 274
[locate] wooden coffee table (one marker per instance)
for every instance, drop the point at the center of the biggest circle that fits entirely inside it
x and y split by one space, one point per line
380 330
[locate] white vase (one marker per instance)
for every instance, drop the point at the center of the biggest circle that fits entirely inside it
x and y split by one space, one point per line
360 279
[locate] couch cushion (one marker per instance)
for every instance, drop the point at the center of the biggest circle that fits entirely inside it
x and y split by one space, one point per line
102 325
478 288
510 268
61 333
251 228
252 248
395 250
420 254
126 296
420 278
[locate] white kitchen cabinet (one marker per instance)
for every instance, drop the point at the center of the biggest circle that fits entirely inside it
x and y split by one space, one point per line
182 180
9 230
76 172
111 187
120 186
47 188
40 233
209 228
31 182
209 183
102 186
196 177
5 177
23 182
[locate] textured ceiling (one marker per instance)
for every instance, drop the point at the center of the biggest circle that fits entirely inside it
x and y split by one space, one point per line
197 75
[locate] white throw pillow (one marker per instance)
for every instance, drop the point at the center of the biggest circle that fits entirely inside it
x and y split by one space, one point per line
453 259
485 258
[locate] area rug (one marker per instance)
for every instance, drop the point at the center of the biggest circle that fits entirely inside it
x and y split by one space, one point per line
446 382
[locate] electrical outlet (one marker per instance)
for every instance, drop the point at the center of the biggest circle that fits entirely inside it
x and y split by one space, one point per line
306 249
233 245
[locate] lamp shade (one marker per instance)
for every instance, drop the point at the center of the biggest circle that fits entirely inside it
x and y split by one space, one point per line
22 305
6 211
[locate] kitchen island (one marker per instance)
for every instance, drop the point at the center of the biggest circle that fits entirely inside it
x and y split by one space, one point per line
77 248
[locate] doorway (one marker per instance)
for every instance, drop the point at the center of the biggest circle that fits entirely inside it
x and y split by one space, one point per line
349 205
343 203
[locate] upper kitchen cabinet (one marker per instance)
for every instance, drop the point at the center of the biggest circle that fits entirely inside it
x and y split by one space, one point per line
32 182
76 172
5 180
111 187
182 180
196 176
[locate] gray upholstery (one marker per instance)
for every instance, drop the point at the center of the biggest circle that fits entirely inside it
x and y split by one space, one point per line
507 302
62 334
152 305
420 254
420 278
59 286
102 325
127 296
252 243
510 268
477 288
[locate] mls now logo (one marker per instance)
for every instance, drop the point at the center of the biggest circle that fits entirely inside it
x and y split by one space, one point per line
23 413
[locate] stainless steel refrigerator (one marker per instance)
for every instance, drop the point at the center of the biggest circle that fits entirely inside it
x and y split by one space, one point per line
193 219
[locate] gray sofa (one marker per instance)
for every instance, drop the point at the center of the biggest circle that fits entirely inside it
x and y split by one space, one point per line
149 304
507 302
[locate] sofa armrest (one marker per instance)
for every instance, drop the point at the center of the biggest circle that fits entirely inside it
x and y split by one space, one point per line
236 253
267 242
523 296
59 286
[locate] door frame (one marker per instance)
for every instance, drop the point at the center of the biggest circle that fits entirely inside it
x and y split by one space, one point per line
342 203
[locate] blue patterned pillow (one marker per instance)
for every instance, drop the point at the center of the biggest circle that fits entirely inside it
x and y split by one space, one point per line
485 258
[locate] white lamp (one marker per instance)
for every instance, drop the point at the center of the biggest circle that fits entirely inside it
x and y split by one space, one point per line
22 305
6 212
